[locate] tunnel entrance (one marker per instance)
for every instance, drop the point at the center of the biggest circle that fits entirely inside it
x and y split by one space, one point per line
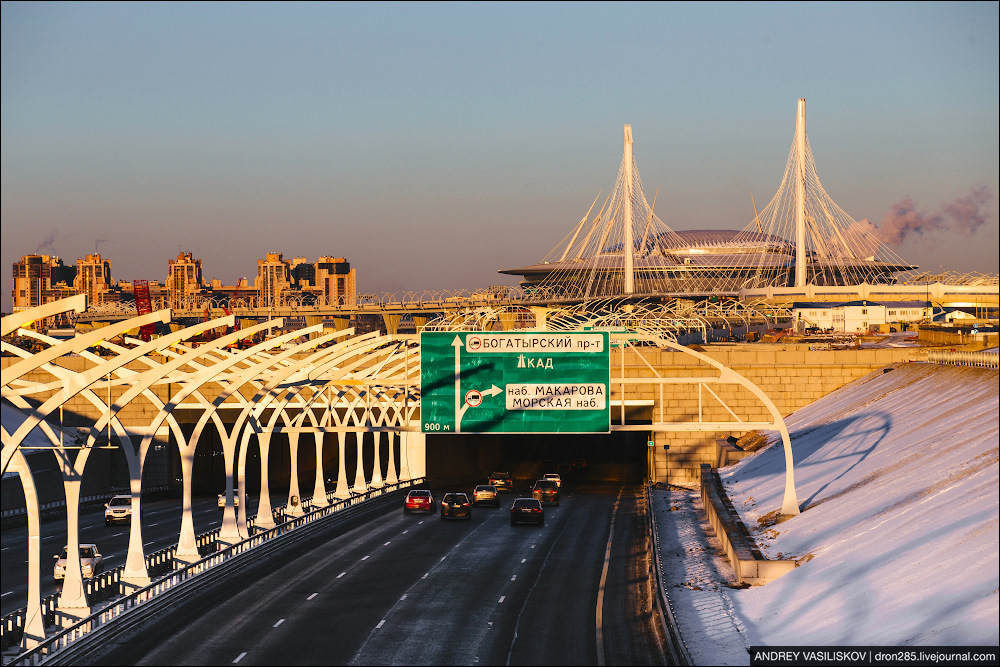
619 456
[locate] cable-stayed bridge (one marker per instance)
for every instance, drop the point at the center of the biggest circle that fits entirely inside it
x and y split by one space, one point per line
801 246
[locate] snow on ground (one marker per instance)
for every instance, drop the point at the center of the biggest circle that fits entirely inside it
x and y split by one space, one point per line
898 543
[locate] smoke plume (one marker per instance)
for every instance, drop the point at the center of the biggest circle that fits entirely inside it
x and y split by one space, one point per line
965 214
47 242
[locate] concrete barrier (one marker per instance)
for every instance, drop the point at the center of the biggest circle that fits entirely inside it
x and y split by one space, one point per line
750 565
727 452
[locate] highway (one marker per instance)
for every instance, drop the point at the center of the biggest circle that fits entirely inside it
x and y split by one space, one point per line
161 524
415 589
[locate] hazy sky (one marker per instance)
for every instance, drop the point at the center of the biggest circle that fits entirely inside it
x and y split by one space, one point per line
432 144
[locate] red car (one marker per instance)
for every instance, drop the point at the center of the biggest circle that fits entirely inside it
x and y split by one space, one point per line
419 500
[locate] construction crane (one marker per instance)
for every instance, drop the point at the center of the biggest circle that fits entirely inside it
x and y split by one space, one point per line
143 306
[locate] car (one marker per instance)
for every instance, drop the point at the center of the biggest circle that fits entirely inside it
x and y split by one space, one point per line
222 500
527 510
91 562
486 494
119 508
419 500
502 481
455 505
554 476
546 491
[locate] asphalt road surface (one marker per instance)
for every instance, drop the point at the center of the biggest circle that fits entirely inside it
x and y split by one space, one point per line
415 589
161 524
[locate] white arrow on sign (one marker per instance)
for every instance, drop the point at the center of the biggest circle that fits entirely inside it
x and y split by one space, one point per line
457 344
492 391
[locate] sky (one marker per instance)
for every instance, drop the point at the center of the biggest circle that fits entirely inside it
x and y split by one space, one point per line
433 144
897 544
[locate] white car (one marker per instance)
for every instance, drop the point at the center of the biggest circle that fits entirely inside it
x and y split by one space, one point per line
118 508
91 562
222 500
554 477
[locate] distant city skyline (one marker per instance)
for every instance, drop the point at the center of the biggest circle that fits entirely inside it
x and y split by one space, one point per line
432 145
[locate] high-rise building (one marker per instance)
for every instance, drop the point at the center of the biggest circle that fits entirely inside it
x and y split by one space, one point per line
184 278
336 281
93 278
39 279
273 278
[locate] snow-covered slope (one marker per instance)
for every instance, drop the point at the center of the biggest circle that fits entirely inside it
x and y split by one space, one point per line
898 542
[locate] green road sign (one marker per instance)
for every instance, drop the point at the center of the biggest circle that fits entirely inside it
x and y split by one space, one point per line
507 382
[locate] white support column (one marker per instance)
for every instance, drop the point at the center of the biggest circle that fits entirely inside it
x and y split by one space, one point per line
628 248
342 490
390 474
73 604
229 533
404 466
416 455
265 514
294 505
135 574
34 625
187 546
360 485
800 194
377 482
319 489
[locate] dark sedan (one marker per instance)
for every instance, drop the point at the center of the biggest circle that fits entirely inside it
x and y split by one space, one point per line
546 491
456 505
527 510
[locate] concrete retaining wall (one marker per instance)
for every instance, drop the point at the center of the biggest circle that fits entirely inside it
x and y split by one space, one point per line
750 565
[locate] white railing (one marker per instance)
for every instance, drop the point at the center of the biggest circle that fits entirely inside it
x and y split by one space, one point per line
959 358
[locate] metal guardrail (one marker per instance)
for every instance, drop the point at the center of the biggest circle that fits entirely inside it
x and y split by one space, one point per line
96 498
961 358
109 583
679 654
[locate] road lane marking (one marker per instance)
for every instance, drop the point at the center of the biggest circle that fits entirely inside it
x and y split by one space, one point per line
532 546
339 576
117 534
153 524
239 657
387 543
280 621
420 522
7 593
312 596
404 597
513 578
146 544
502 598
471 534
425 576
604 578
380 624
405 532
523 561
365 557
